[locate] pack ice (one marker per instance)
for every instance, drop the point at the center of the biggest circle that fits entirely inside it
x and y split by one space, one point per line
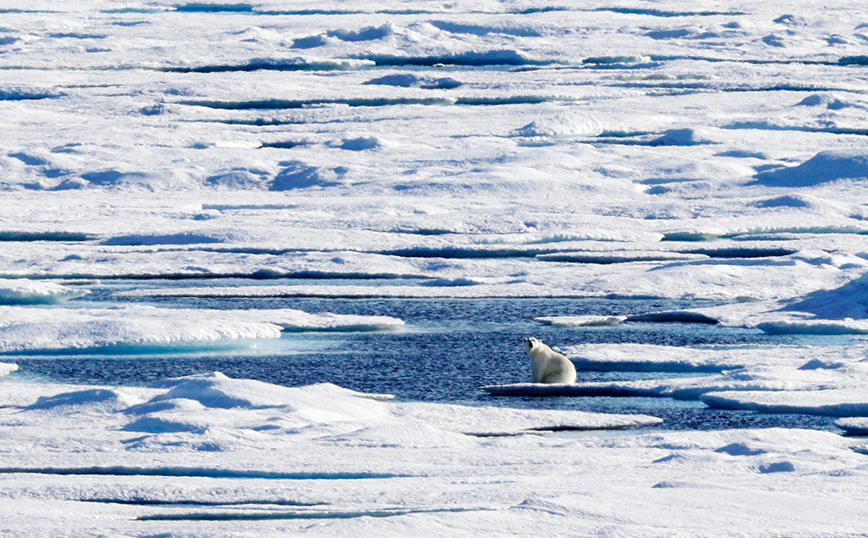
157 155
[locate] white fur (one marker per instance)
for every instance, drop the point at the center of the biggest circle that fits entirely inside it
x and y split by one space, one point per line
547 365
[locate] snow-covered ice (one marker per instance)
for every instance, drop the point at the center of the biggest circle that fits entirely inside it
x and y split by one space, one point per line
143 327
210 455
157 155
23 291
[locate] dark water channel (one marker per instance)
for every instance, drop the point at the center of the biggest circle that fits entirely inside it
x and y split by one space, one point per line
446 351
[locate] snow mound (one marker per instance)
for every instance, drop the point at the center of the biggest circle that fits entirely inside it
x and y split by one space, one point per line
299 175
100 400
216 390
198 404
561 127
361 143
740 449
407 80
794 201
679 137
847 301
369 33
822 168
832 102
238 178
24 291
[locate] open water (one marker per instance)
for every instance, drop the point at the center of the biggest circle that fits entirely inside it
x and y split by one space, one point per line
448 349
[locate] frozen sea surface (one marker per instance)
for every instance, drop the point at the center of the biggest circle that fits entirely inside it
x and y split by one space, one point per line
355 211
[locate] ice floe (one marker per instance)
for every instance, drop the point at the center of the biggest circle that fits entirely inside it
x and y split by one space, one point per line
146 327
211 453
581 321
23 291
835 402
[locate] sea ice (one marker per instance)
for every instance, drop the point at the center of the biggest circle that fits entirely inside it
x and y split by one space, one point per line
211 454
23 291
146 327
824 167
463 149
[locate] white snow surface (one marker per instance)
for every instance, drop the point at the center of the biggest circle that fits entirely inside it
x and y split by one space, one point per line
417 149
68 329
210 455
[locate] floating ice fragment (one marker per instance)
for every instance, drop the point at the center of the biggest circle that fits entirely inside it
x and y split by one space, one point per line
562 127
22 291
581 321
7 368
814 326
853 425
297 320
832 402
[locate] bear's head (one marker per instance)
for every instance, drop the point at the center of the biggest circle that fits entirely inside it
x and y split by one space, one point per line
530 343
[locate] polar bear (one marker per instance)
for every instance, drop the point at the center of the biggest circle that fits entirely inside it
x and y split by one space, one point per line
547 365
